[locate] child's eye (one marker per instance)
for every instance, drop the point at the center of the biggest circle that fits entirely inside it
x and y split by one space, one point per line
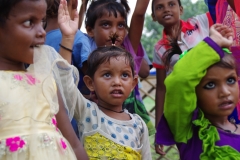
106 75
159 7
44 23
105 25
209 85
125 75
122 25
171 4
231 80
27 23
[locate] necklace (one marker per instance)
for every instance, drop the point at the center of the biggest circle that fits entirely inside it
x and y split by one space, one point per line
111 109
229 131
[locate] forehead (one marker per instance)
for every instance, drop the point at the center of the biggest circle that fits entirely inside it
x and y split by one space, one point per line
157 2
37 7
219 73
110 15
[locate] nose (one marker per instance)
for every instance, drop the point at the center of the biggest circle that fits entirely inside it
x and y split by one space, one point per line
117 81
166 8
41 33
224 91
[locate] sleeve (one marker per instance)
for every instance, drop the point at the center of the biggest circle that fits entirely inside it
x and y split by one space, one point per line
180 100
205 20
136 56
67 78
157 57
146 151
81 49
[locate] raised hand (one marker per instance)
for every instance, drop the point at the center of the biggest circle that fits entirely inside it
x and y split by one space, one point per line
222 35
67 26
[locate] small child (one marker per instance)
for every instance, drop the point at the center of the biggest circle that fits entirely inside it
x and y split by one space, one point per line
196 111
108 18
188 33
31 102
106 130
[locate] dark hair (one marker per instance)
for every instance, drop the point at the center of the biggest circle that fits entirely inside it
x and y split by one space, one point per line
179 2
6 6
227 61
104 54
99 8
52 11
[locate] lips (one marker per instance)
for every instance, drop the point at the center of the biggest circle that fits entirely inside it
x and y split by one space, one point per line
117 93
167 16
226 104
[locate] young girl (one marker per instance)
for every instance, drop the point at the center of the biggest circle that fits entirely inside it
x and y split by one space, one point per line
189 33
106 130
30 101
108 18
207 93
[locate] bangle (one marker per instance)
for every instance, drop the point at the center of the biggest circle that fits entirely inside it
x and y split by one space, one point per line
65 48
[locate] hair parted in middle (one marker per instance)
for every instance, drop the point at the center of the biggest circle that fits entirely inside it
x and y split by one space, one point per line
98 8
104 54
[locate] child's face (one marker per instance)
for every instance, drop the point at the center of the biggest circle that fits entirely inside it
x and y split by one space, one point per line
22 32
167 12
113 82
106 26
218 92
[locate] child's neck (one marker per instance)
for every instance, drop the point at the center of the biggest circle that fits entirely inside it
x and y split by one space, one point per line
173 31
114 112
52 24
9 66
223 124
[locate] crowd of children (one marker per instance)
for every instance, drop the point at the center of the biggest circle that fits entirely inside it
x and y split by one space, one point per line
70 95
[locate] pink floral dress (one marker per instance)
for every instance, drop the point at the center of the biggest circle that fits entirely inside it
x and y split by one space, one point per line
28 127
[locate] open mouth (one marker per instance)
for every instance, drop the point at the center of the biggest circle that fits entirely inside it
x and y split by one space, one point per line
167 16
226 104
117 93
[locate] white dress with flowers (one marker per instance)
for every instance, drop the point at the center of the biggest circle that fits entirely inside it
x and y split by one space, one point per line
28 105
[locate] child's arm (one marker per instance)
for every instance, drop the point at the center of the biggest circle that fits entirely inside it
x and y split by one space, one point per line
67 131
137 22
146 150
160 94
180 98
68 28
82 12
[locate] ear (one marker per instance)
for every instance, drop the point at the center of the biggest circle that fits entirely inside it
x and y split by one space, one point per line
88 82
153 17
181 10
135 81
90 31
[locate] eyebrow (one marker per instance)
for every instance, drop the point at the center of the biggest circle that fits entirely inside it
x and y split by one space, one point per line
212 78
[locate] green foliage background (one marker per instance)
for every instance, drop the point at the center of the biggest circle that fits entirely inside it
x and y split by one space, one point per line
153 31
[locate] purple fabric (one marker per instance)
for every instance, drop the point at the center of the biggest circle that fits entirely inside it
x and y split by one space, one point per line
137 57
193 148
214 45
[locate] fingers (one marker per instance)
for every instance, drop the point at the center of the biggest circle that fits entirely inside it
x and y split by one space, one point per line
76 16
159 149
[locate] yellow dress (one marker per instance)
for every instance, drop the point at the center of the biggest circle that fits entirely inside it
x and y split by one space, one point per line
28 127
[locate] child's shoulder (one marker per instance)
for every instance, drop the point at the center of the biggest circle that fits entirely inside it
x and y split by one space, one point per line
203 19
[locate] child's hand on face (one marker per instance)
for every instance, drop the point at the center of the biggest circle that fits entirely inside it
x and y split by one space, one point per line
222 35
67 26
